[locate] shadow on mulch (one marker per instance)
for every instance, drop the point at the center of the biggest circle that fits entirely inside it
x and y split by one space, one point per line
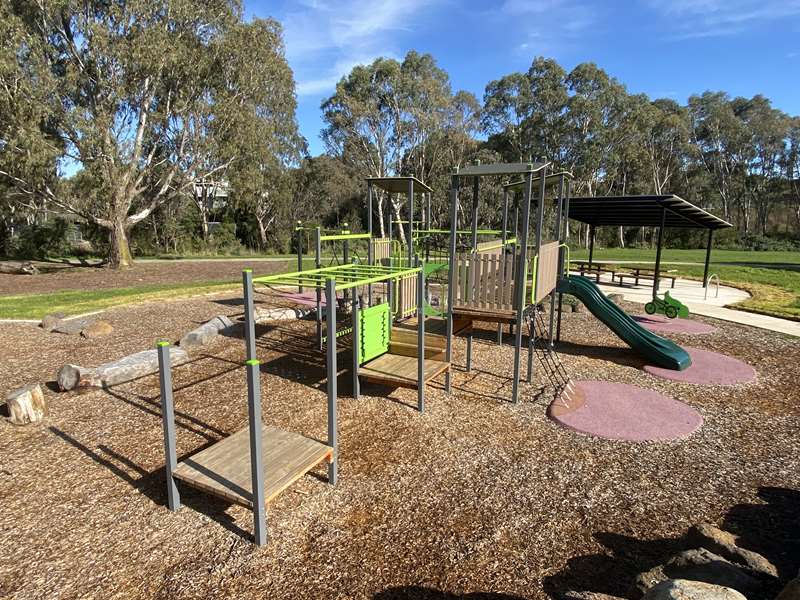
621 356
772 529
153 484
413 592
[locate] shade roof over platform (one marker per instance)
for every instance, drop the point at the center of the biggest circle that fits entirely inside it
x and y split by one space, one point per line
516 186
642 211
501 169
398 185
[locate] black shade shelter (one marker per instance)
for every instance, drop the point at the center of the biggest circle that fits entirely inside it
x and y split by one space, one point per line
659 211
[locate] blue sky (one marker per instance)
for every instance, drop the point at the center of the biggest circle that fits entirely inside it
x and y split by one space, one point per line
664 48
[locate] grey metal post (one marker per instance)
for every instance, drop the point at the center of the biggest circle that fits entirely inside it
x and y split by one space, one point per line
503 255
390 298
256 456
429 222
591 244
474 242
521 282
356 342
539 224
299 231
346 259
168 422
450 276
564 238
249 314
657 274
318 264
410 223
708 258
330 294
420 339
554 294
370 249
389 205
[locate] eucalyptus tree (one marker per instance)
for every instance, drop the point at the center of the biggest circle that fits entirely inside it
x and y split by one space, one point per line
791 163
383 117
129 92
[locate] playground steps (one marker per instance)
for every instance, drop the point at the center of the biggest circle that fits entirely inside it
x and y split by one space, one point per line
490 315
404 337
400 371
224 468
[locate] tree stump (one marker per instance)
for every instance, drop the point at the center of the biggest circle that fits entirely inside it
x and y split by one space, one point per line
125 369
27 405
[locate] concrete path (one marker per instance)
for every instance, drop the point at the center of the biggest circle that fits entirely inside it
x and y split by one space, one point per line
691 293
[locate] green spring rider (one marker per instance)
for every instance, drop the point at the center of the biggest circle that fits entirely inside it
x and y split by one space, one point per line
669 306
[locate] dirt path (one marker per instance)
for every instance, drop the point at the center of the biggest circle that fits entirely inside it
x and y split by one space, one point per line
475 495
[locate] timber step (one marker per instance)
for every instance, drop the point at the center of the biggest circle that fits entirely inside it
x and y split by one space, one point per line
400 371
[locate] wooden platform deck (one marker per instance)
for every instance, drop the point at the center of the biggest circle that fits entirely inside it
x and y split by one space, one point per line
224 468
400 371
490 315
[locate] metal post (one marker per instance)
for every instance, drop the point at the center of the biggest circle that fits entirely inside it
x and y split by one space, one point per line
249 314
708 258
554 294
330 294
389 195
450 277
410 223
256 456
503 254
474 244
564 238
318 264
521 278
370 249
346 259
168 422
356 343
299 231
591 245
420 340
539 225
657 273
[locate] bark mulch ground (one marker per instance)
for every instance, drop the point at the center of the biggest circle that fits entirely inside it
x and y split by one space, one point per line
64 277
474 496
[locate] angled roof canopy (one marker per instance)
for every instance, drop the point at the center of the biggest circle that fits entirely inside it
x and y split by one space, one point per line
642 211
516 186
398 185
501 169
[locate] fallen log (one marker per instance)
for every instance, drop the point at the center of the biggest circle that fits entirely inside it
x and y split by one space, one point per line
281 314
26 405
14 267
206 332
125 369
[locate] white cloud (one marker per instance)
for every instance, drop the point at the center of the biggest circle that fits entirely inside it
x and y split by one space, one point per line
713 18
325 40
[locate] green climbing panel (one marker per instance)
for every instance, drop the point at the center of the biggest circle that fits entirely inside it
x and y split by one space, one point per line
374 332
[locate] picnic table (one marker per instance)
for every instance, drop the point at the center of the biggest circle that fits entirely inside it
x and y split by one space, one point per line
637 273
594 268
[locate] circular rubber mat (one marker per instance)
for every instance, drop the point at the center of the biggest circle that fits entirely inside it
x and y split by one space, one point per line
618 411
662 324
708 368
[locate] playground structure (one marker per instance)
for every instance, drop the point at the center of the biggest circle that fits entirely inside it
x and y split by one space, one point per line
398 339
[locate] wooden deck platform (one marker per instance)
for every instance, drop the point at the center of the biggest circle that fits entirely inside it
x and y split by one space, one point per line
400 371
490 315
224 468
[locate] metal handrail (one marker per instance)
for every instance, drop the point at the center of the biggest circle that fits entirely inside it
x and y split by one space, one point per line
708 282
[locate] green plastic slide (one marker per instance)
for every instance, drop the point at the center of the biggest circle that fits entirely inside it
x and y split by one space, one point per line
659 351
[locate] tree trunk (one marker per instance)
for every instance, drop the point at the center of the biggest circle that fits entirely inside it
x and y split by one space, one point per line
119 252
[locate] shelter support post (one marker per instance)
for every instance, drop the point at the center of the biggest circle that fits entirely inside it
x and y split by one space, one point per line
420 340
318 264
356 342
168 421
330 297
410 222
450 279
591 244
256 457
708 258
521 279
249 314
370 249
657 270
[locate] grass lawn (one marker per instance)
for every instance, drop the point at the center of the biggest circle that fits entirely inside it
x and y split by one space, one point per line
74 302
772 278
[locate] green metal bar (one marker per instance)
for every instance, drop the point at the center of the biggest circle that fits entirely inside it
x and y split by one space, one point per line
345 236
